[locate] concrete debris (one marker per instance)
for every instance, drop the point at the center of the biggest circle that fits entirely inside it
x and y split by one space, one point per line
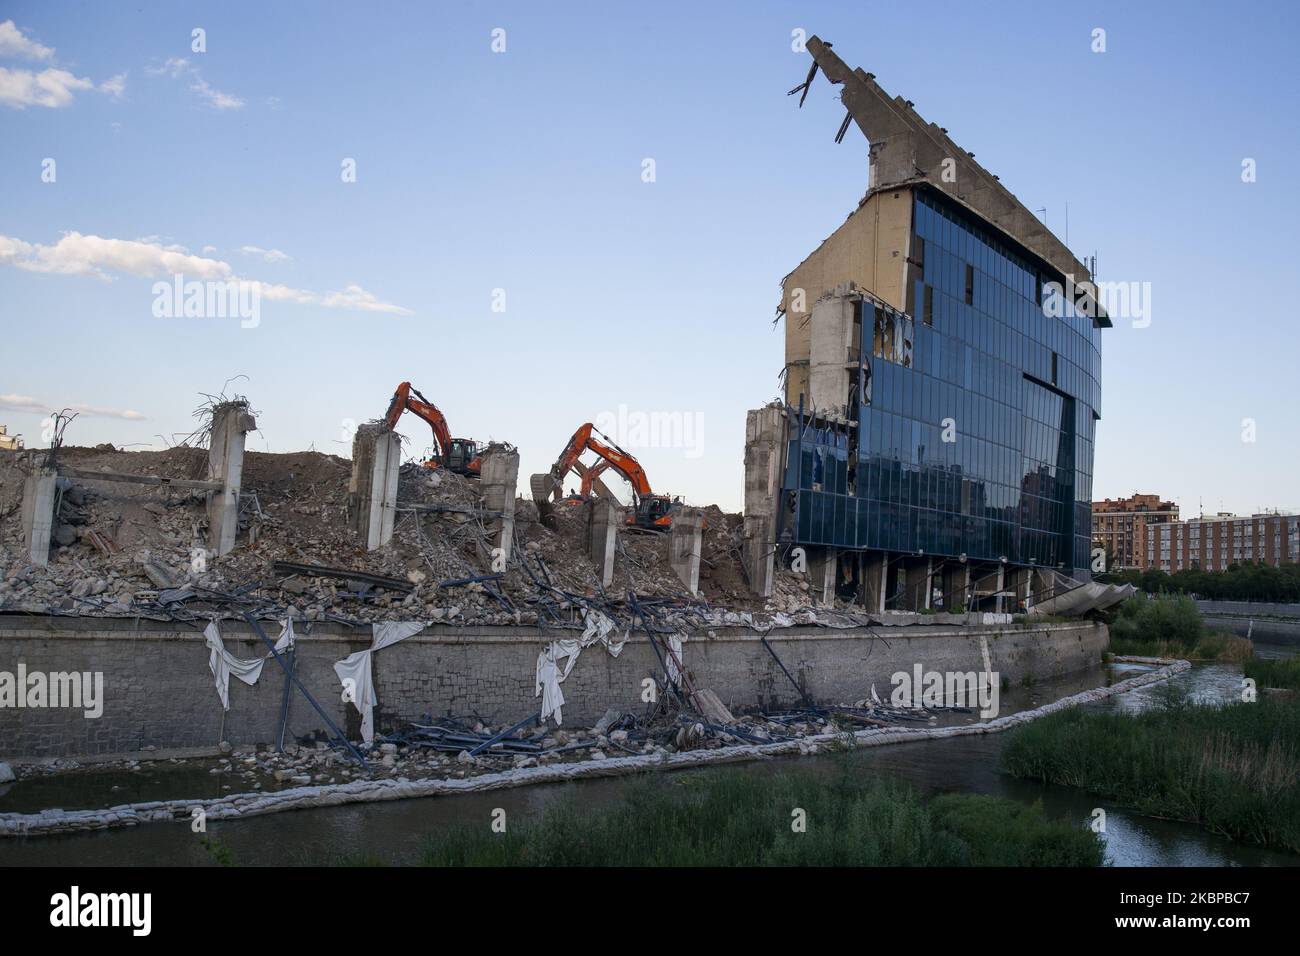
117 545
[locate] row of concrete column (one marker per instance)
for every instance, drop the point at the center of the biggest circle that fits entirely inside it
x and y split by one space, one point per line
883 582
685 539
372 490
231 423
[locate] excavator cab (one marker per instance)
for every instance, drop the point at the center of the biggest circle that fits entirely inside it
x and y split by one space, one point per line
653 513
461 457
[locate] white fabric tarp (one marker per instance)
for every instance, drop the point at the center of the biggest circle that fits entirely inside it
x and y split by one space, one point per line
357 672
223 664
550 674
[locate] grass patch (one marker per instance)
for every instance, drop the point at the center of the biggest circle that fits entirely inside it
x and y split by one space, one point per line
1234 769
731 817
1278 673
1215 646
1167 619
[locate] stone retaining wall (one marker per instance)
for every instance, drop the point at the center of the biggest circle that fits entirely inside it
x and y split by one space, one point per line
159 693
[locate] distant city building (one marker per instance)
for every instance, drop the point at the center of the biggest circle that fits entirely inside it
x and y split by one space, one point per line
1120 526
1212 544
9 442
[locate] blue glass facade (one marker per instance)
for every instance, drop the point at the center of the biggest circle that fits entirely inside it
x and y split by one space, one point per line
976 413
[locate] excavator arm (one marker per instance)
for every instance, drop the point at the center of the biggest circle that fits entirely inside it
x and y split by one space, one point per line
650 511
408 399
584 440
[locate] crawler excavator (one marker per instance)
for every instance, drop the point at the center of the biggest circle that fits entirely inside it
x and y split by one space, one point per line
458 455
651 512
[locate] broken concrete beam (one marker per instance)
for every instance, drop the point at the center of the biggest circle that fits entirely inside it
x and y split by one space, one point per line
372 490
498 476
158 575
231 421
39 492
603 520
684 546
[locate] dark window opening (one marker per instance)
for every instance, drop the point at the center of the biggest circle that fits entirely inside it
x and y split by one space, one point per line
928 311
970 284
1054 358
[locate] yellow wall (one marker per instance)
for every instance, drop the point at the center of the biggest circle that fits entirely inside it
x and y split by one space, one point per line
870 249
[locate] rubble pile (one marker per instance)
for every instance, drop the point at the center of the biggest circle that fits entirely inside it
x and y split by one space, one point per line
123 549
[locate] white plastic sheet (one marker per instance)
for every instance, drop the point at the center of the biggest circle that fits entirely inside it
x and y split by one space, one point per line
550 674
357 673
222 663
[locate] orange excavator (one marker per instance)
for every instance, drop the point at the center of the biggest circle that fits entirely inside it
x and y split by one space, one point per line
651 511
459 455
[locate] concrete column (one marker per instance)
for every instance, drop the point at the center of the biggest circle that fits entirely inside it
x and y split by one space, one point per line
684 546
1041 586
929 583
824 568
372 492
1017 583
498 476
916 581
875 579
764 461
231 421
39 492
758 551
956 585
1002 584
603 520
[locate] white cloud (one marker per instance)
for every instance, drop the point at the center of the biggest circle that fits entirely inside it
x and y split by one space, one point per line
355 298
208 249
115 86
14 44
270 255
176 67
52 87
215 98
25 403
76 254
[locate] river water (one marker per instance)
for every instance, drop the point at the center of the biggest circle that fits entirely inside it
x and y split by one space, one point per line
393 832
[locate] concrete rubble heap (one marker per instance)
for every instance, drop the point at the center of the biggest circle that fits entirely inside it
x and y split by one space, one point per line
116 548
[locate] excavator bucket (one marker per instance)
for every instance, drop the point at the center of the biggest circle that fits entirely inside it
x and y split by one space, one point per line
541 486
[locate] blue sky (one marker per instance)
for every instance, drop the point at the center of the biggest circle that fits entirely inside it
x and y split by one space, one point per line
522 171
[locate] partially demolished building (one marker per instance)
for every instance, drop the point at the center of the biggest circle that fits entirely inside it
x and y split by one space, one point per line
942 385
